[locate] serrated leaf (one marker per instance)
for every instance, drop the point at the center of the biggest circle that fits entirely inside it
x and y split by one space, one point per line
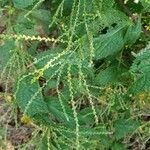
105 142
146 5
46 143
23 3
133 32
124 127
141 71
109 44
29 99
112 74
86 116
44 57
135 7
118 146
56 110
41 15
24 26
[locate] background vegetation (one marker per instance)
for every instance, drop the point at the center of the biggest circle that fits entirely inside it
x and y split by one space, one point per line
75 74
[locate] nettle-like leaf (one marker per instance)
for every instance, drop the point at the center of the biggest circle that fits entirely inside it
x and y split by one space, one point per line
141 71
44 57
85 116
29 97
133 32
110 43
42 19
146 5
118 146
23 3
112 74
24 26
34 24
134 5
56 110
76 50
41 15
112 17
124 127
86 132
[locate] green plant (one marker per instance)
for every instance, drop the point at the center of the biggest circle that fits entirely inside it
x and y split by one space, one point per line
76 71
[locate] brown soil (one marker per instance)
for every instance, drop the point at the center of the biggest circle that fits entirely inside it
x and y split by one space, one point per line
10 135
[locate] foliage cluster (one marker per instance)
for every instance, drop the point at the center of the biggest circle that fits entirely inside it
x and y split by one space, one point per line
79 70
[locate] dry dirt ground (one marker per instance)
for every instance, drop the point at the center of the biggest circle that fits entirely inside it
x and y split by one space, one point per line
11 134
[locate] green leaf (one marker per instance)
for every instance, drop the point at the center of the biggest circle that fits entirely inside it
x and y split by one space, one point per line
105 141
42 18
109 44
46 143
135 7
118 146
42 119
110 75
108 3
67 7
24 26
86 116
29 98
146 5
94 133
141 71
56 110
124 127
133 32
46 56
23 3
41 15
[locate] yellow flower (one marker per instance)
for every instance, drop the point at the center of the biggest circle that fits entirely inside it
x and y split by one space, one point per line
8 98
126 46
102 99
26 119
142 96
109 90
141 129
147 28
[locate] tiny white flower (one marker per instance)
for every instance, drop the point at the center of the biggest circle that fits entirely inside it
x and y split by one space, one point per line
136 1
125 1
